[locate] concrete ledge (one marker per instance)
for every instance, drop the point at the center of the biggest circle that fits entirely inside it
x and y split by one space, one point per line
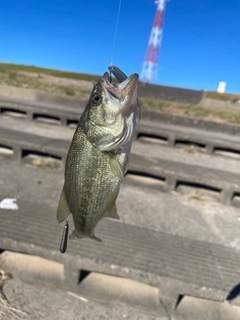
110 288
159 128
191 267
57 108
193 122
31 95
219 185
32 268
173 136
33 109
191 308
169 93
154 91
96 286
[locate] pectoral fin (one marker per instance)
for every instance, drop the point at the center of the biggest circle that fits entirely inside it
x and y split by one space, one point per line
63 210
126 165
115 166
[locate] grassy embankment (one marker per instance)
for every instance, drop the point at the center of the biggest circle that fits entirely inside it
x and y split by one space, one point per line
221 96
50 72
10 74
216 114
16 75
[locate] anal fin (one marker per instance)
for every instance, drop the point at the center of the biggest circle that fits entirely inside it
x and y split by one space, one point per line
112 212
63 210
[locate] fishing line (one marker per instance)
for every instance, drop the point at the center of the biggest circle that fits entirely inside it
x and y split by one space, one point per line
115 33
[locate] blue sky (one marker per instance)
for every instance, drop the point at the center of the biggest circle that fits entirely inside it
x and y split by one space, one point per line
200 47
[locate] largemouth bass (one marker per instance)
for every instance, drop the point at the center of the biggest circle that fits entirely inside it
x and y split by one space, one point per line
98 156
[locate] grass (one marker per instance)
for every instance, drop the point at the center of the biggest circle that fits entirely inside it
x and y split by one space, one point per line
9 75
69 91
51 72
13 78
228 115
221 96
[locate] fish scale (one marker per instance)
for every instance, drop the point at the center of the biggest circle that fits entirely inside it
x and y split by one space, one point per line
83 177
86 179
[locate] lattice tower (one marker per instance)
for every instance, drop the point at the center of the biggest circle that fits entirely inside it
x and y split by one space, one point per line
149 72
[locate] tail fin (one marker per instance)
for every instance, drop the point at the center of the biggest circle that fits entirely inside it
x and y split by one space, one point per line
96 238
76 235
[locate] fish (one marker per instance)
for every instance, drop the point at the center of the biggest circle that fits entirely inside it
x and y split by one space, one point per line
98 156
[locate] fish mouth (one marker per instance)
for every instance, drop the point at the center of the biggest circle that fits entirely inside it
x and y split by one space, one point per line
125 92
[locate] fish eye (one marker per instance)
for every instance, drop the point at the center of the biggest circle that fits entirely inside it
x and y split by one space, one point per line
97 99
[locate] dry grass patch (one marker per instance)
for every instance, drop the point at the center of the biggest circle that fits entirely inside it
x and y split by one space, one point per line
16 79
221 96
230 115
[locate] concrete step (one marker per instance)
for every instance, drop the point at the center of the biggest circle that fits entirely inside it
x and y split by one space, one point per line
204 141
163 241
183 174
186 156
39 300
92 286
31 110
176 265
209 135
192 308
162 260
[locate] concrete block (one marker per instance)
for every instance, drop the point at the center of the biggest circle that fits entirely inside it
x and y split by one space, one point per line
32 268
191 308
110 288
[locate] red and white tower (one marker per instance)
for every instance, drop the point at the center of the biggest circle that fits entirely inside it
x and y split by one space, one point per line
149 71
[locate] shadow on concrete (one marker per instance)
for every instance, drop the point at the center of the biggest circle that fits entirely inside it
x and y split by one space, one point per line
234 293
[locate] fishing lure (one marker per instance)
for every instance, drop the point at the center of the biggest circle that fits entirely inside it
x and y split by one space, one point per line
64 240
120 76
